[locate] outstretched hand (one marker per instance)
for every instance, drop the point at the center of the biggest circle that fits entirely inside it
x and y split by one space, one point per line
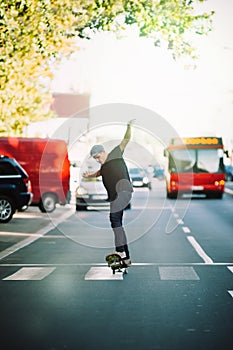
132 121
85 174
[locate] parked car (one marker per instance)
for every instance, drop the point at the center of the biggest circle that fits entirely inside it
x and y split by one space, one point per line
229 172
139 178
15 188
92 193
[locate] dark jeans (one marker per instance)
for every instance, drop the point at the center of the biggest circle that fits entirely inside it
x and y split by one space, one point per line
116 218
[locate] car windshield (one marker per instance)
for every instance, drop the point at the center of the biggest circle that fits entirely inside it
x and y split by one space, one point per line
195 160
135 171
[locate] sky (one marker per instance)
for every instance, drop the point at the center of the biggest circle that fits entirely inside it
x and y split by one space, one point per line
132 70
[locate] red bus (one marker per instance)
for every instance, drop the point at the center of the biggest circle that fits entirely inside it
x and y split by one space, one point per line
47 164
195 166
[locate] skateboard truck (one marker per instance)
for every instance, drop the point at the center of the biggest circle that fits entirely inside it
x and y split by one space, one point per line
116 263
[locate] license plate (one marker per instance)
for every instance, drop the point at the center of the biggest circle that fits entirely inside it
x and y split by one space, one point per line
99 197
197 188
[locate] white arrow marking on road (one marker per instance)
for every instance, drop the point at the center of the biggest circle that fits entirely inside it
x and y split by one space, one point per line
230 292
30 273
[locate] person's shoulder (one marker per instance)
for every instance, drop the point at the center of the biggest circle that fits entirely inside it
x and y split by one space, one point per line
115 153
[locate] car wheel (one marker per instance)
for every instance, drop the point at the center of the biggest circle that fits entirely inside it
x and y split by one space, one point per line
172 195
48 203
128 206
7 209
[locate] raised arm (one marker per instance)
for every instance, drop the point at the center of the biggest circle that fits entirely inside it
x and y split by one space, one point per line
127 136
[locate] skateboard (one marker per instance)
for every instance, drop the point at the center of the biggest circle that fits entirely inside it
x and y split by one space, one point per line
116 263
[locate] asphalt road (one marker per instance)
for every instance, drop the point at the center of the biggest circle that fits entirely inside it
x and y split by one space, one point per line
57 292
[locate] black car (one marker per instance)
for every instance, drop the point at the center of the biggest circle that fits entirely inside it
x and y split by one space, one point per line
15 188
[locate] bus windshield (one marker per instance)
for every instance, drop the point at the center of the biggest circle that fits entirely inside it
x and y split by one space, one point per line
196 161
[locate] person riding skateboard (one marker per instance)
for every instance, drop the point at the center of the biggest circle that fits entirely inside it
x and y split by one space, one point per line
117 182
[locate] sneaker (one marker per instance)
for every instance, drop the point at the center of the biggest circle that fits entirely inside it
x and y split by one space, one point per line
122 254
127 262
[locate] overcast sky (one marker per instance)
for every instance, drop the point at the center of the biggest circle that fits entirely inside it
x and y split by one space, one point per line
132 70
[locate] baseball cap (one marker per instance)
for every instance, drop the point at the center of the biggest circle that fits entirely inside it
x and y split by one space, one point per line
96 149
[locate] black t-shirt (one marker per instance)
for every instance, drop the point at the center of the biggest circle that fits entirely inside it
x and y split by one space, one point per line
115 174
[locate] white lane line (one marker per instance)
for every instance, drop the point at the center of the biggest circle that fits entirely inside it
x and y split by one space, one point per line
186 229
180 221
36 235
231 293
133 264
30 273
199 250
227 190
102 274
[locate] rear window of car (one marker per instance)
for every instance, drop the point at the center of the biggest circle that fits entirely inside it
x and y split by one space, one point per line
7 168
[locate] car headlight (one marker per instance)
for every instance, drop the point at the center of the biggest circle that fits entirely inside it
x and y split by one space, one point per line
145 180
81 191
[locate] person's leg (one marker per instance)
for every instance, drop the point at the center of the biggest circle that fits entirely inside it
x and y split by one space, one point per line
119 233
116 218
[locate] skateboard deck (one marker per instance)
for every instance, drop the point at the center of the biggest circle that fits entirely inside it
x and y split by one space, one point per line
116 263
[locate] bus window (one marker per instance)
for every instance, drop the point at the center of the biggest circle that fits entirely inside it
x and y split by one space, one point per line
182 161
208 161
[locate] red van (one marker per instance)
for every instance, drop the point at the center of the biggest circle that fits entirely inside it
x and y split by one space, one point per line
47 164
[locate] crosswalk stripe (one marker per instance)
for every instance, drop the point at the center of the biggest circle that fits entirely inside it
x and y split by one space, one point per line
178 273
30 273
102 273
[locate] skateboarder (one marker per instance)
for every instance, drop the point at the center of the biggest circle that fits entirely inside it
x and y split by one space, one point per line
117 182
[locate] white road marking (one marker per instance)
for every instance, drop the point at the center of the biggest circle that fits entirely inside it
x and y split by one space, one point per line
30 273
133 264
231 293
186 229
180 273
102 273
230 268
199 250
180 222
228 190
35 236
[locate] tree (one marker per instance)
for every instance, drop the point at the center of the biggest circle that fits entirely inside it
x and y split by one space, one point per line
35 32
